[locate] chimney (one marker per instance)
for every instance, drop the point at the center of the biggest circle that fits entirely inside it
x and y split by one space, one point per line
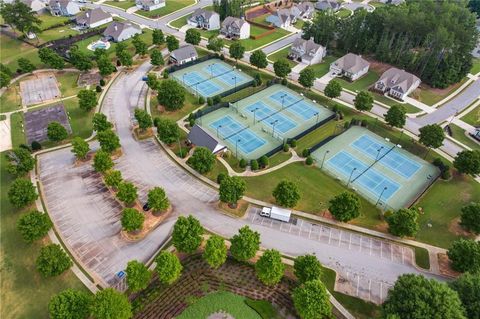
116 27
88 14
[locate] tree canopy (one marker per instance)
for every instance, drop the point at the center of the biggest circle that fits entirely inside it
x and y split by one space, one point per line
193 36
228 8
20 161
156 57
431 135
215 253
470 217
465 255
109 303
80 147
132 219
215 44
232 189
363 101
56 132
109 141
236 50
282 68
168 267
172 43
245 244
202 160
51 58
19 16
158 37
307 77
187 234
167 129
468 162
306 268
80 59
70 304
127 193
286 193
311 300
269 267
259 59
53 260
171 95
102 161
143 118
87 99
158 200
468 288
113 178
100 122
22 192
138 276
34 225
403 222
345 206
396 116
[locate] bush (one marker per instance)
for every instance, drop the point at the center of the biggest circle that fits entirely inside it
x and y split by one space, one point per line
98 88
364 123
263 161
53 261
346 125
254 165
309 160
258 79
209 101
132 219
217 99
286 193
221 177
168 267
242 163
286 147
284 81
465 255
102 82
443 167
470 217
306 152
33 226
165 74
201 100
202 160
293 143
36 146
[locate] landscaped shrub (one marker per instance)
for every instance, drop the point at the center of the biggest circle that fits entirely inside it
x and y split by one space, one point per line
346 125
309 160
305 152
443 167
258 79
102 82
254 165
165 74
36 146
201 100
284 81
263 161
286 147
209 101
221 177
242 163
364 123
217 99
98 88
293 143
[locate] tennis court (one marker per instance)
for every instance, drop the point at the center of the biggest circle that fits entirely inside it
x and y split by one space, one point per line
210 78
258 124
377 169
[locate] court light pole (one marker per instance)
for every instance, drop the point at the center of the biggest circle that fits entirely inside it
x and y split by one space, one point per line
323 160
273 125
218 127
283 99
235 78
380 197
378 153
236 147
317 115
350 178
254 111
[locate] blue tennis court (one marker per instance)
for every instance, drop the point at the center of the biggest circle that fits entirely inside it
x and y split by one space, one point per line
237 134
270 118
399 163
295 105
200 84
372 180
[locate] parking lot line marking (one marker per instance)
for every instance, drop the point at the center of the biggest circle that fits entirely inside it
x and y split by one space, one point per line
271 223
350 241
310 233
358 284
403 255
381 249
369 289
261 223
371 246
340 238
329 236
391 251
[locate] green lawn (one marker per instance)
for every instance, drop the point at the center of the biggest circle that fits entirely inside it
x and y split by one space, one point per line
80 121
361 84
472 117
391 101
170 7
475 67
180 22
68 83
191 103
12 49
220 301
279 158
49 21
459 134
377 4
25 293
217 169
343 13
251 44
323 68
422 259
121 4
299 24
54 34
262 19
282 54
10 99
431 96
16 131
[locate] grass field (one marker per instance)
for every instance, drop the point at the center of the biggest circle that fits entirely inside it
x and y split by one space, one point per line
180 22
25 293
54 34
431 96
191 103
472 117
11 50
390 102
121 4
475 67
323 68
49 21
343 13
16 129
361 84
170 7
459 134
10 99
251 44
282 54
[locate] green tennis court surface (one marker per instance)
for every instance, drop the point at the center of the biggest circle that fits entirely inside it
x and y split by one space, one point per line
261 122
211 78
379 170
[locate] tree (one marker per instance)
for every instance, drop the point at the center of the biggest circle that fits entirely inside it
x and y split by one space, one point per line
193 36
70 304
127 193
215 253
138 276
105 66
152 81
25 65
307 268
403 222
156 58
468 162
80 59
215 44
236 50
363 101
202 160
168 267
187 234
53 261
311 300
322 29
470 217
143 118
269 267
282 68
51 58
158 37
414 296
172 43
286 193
245 244
140 46
113 178
125 58
465 255
168 130
259 59
158 200
19 16
307 78
345 207
333 89
431 135
87 99
20 161
102 162
467 287
109 303
171 95
132 219
33 226
22 192
100 122
56 132
109 141
396 116
232 189
4 79
80 147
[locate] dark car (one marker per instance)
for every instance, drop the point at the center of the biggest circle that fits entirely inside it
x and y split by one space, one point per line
145 207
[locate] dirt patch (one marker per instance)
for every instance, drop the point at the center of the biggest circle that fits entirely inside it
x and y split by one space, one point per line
378 67
455 228
444 265
383 227
237 212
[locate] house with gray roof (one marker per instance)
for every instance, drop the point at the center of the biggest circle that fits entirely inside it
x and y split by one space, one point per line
307 51
64 8
328 5
397 83
204 19
199 137
351 66
35 5
183 55
303 10
93 18
120 31
150 5
235 28
282 18
394 2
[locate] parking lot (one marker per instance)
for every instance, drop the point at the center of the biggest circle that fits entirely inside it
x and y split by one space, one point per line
349 282
39 90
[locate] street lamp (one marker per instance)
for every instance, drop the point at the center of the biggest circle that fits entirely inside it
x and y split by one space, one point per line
273 125
254 112
236 147
235 78
317 114
380 197
350 178
211 71
323 160
183 78
378 153
218 127
283 99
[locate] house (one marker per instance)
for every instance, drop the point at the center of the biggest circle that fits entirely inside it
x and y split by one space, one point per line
394 2
93 18
397 83
120 31
63 8
282 18
183 55
35 5
351 66
328 5
204 19
150 5
307 51
303 10
199 137
235 28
